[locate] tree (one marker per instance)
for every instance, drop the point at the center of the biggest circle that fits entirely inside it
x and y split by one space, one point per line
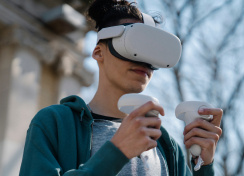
210 69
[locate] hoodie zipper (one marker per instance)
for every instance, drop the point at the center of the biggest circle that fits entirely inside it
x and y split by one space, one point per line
91 139
81 119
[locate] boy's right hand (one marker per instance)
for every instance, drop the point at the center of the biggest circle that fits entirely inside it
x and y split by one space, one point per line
138 133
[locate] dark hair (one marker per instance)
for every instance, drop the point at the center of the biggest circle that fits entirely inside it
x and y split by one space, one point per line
107 13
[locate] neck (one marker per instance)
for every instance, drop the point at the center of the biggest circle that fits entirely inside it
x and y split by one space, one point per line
105 102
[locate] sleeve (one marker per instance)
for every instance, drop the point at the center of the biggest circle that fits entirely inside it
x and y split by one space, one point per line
41 158
206 170
109 160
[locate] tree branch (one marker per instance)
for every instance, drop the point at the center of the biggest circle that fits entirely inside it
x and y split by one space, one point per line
234 94
184 6
201 20
231 31
240 163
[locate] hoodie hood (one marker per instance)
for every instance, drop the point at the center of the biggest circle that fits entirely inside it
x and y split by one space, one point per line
76 104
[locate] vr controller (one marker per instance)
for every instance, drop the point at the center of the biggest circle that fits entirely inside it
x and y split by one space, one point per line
188 112
129 102
143 43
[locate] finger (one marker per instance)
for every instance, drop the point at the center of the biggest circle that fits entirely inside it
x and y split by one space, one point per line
200 123
197 132
152 144
142 110
203 142
216 112
153 133
153 122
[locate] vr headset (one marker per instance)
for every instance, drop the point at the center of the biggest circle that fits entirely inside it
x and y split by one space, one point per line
143 43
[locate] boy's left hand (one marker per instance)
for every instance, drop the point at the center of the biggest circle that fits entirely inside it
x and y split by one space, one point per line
204 133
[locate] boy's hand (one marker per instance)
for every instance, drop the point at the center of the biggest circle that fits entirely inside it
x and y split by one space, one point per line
138 133
204 133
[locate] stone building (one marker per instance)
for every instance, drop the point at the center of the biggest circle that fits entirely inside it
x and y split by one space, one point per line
41 61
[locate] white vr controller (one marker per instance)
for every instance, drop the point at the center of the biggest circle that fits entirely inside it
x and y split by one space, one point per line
188 112
129 102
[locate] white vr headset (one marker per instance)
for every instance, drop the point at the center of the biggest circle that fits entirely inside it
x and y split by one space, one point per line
143 43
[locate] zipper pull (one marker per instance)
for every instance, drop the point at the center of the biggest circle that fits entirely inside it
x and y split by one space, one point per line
82 113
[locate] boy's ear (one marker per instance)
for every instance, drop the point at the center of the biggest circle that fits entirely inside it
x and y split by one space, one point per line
97 53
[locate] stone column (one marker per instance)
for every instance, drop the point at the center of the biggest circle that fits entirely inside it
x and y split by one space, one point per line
22 106
72 75
21 62
49 83
6 55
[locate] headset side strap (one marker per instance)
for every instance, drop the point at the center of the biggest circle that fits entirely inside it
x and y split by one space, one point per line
110 32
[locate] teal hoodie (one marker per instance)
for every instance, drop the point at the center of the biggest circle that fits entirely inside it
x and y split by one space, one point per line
59 140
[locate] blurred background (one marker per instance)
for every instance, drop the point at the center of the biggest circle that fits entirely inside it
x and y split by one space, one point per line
45 55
